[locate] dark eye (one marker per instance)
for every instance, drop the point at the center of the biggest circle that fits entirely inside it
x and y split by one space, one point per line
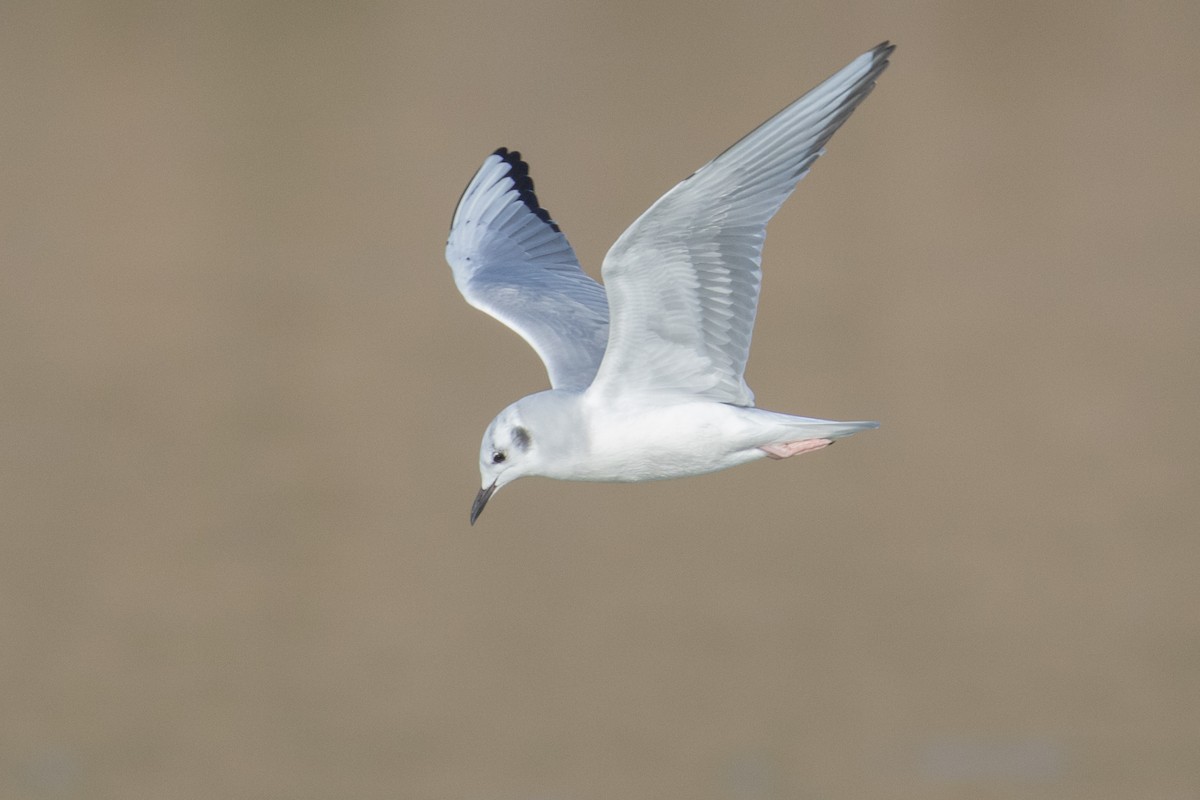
498 457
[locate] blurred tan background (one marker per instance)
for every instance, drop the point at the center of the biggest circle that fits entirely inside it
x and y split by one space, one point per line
242 402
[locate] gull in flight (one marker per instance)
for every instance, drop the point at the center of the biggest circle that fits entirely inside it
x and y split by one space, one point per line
646 370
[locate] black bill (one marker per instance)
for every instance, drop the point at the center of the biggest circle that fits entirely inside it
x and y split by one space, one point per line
481 499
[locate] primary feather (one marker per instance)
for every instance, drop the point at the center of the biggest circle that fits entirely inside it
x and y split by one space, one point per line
511 260
683 280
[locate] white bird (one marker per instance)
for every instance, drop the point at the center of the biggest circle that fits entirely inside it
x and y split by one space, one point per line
646 371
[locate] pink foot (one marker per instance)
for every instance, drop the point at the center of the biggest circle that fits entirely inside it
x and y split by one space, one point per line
789 449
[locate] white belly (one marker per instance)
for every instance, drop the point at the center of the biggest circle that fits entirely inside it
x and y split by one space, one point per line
627 444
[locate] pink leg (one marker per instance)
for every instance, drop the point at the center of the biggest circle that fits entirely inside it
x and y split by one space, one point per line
789 449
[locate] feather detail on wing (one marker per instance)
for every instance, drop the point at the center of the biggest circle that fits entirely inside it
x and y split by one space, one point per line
683 280
511 261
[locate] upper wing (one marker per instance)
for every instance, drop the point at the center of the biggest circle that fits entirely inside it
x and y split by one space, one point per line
512 261
683 280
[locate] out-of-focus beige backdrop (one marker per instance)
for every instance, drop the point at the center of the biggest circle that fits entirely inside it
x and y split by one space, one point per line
242 400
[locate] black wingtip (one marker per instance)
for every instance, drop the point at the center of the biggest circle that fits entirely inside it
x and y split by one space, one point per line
881 53
518 170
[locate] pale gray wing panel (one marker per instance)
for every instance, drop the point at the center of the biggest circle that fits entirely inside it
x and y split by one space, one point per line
511 261
683 280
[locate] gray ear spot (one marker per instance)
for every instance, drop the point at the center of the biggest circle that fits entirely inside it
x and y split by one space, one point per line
521 437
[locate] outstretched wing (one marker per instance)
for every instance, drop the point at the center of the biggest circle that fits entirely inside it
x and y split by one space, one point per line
511 261
683 280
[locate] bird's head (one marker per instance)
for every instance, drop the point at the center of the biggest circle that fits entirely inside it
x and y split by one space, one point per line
508 451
